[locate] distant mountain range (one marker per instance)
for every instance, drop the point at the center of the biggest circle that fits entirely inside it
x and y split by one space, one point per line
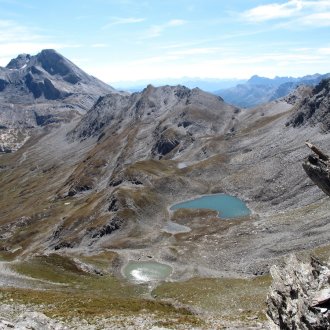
258 90
207 84
239 92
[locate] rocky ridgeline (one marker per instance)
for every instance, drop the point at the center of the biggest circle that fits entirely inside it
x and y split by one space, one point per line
314 109
186 110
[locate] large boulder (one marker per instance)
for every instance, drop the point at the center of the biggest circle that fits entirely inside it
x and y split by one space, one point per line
299 296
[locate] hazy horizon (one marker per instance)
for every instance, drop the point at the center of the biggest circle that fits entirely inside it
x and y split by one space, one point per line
124 40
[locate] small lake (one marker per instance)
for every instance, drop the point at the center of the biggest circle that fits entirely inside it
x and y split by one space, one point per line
174 228
227 206
146 271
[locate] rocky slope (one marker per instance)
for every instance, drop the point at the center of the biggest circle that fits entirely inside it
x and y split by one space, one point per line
98 187
40 90
107 183
258 90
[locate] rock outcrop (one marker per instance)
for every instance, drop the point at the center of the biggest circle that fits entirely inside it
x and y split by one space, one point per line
300 292
314 110
300 295
317 166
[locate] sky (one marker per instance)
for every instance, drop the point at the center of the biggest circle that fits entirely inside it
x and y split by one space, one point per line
130 40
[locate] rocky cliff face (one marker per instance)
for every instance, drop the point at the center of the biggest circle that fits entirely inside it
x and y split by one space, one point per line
39 90
314 110
47 75
300 295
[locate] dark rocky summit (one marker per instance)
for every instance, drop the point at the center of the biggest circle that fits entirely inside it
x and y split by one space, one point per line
40 90
47 75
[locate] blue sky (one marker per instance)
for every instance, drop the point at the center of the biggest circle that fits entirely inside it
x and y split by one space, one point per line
128 40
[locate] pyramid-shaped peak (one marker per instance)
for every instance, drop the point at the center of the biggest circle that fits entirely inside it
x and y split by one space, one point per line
54 63
51 55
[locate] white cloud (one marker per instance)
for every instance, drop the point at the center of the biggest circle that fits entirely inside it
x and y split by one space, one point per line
157 59
122 21
156 30
11 31
317 19
316 5
179 54
196 51
273 11
324 51
292 62
175 22
307 12
99 45
16 38
153 32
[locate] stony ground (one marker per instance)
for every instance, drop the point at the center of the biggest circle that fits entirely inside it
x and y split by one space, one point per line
85 191
21 317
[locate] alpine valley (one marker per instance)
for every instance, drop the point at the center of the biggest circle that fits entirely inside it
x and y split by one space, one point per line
88 175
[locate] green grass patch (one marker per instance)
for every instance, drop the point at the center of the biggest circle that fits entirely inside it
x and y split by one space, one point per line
87 295
235 299
322 253
71 303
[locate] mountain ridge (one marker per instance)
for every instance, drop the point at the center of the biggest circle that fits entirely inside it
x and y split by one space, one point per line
39 90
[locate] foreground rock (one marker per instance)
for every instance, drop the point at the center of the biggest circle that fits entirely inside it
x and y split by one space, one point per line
300 295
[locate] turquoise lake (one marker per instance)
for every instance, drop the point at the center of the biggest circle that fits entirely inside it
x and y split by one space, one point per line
227 206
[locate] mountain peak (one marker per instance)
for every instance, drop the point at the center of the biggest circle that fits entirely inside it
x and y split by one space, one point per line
19 61
54 63
49 51
256 80
49 68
